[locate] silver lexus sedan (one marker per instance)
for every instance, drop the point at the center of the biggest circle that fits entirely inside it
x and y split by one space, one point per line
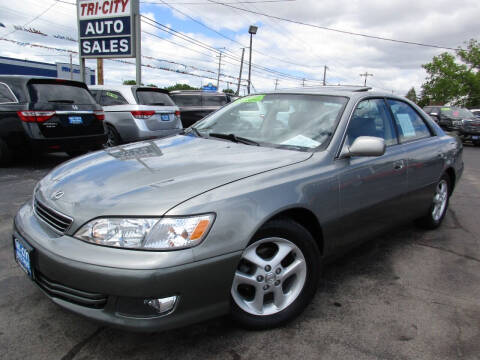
236 215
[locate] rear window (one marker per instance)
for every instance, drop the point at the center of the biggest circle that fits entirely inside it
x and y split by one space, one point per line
187 100
209 100
60 93
153 97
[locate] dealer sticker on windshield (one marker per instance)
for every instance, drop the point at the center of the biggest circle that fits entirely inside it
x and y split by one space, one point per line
303 141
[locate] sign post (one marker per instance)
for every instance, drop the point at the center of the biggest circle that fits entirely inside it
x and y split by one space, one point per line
108 29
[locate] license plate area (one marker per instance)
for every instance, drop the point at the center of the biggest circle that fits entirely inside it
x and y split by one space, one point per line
165 117
75 120
23 255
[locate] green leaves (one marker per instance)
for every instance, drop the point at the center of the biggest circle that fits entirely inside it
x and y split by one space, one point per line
452 81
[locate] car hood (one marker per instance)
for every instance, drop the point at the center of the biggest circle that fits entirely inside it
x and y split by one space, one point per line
148 178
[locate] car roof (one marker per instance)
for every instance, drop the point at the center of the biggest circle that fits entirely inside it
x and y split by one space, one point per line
192 92
121 88
26 78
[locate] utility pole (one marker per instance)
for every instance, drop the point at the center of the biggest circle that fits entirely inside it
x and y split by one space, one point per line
276 84
241 68
303 82
99 71
365 75
325 67
252 30
219 66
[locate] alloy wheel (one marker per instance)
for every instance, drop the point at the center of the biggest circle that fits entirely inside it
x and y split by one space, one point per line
270 276
440 200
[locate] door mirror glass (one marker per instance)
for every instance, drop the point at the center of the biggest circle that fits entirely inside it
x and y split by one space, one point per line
366 146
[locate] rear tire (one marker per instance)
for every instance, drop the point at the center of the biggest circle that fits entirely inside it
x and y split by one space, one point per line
439 206
5 154
476 142
276 277
113 137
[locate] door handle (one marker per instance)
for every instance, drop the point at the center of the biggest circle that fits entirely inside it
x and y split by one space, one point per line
398 165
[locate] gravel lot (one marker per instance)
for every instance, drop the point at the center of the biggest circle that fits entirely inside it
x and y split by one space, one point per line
407 295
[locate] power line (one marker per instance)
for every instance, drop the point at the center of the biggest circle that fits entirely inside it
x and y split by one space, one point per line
208 3
335 30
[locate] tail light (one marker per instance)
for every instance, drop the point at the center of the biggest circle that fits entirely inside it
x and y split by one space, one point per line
99 115
177 113
142 114
35 116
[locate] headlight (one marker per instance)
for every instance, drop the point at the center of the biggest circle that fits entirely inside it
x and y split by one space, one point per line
147 233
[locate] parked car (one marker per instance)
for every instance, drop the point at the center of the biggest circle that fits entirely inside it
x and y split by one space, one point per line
230 216
459 120
44 114
135 113
196 104
475 112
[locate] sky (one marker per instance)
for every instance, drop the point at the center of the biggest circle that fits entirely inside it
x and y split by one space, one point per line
285 54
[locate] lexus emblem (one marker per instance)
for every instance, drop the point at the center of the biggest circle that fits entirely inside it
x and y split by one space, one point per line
57 195
74 107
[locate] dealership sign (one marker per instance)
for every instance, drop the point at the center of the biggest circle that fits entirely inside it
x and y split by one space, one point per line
106 28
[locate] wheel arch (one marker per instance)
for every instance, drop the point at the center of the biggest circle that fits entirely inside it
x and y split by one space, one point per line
451 174
307 219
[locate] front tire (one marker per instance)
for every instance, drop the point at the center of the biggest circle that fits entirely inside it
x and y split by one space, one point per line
276 277
438 208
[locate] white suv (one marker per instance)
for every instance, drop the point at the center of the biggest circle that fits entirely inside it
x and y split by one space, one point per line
135 113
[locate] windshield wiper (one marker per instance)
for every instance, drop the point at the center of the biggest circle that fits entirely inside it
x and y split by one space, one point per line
62 101
194 130
234 138
157 103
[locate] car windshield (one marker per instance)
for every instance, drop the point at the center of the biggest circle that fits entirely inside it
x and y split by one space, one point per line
296 121
457 113
153 97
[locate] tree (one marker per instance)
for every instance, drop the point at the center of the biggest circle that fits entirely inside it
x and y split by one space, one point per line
180 87
228 91
152 85
449 81
412 95
129 82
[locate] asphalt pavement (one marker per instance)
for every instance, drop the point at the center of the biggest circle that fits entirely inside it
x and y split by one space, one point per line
410 294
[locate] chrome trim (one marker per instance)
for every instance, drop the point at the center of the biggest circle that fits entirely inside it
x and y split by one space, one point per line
50 223
64 112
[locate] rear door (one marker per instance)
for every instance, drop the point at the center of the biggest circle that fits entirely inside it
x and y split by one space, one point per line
424 158
67 109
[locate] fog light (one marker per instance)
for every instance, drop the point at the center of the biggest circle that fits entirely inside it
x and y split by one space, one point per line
162 305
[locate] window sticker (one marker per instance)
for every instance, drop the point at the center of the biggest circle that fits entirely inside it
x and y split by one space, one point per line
406 125
112 95
445 108
303 141
250 99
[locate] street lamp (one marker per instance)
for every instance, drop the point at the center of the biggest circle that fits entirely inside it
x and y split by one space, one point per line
251 30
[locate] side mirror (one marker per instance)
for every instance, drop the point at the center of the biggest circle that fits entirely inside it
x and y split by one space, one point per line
365 146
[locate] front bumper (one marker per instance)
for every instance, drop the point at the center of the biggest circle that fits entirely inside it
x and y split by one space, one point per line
115 295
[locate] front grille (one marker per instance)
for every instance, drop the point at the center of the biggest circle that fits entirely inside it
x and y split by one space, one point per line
69 294
57 221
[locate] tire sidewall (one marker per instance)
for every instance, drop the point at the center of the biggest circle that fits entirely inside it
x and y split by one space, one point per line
297 234
436 223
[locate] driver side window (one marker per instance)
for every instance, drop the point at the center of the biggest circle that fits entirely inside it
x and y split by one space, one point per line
371 118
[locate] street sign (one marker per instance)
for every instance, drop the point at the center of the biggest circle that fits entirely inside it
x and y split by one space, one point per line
106 28
209 87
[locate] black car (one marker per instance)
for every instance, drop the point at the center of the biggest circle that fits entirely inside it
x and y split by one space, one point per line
458 120
195 104
40 114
